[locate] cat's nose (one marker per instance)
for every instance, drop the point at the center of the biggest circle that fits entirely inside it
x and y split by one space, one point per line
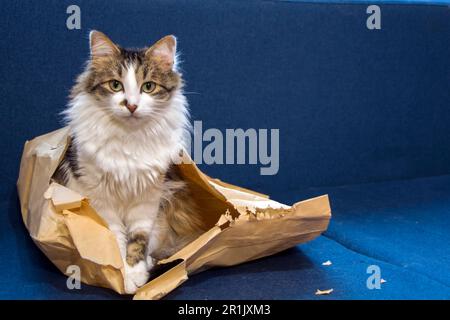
131 107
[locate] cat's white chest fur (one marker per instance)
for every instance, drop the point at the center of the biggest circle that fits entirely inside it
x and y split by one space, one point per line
121 165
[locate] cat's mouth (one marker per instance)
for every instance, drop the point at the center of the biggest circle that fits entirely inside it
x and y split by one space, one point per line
132 118
129 119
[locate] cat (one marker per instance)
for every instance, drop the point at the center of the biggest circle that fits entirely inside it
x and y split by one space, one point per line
128 121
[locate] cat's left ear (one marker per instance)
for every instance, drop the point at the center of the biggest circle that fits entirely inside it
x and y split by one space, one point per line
101 45
164 52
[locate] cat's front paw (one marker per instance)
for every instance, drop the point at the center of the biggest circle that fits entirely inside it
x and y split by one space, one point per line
136 276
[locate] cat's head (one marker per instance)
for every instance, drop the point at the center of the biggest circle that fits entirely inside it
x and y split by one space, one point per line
130 85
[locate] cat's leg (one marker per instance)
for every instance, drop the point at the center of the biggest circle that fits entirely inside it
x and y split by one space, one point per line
115 224
140 221
159 238
163 241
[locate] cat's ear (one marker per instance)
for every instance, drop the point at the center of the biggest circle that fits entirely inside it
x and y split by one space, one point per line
101 45
164 52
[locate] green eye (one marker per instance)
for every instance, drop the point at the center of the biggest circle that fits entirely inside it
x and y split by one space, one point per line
115 85
148 87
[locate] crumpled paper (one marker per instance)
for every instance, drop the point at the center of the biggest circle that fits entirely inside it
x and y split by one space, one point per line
243 225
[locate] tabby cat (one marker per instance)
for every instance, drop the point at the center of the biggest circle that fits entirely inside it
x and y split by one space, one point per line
128 121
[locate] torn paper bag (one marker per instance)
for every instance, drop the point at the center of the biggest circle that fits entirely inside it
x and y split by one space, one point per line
243 225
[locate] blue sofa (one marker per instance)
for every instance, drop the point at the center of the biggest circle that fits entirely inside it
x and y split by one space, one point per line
363 116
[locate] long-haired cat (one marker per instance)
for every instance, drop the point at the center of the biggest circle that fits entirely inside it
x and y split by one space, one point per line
128 121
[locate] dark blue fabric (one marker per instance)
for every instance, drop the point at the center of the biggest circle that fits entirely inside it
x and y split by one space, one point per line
402 227
353 106
404 222
377 2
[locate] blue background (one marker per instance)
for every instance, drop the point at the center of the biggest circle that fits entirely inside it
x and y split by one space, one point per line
355 107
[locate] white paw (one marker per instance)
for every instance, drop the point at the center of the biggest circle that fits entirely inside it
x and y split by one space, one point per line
136 276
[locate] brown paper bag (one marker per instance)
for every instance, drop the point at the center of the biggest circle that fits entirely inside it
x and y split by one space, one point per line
244 225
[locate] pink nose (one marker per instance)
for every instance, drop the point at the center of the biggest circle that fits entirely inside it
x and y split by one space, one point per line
131 107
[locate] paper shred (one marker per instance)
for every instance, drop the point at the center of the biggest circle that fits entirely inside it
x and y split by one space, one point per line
323 292
327 263
48 194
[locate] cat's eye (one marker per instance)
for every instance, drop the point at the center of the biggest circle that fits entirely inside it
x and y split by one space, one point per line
115 85
148 87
